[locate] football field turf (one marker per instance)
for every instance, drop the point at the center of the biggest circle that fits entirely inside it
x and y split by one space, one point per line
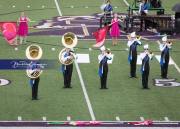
124 98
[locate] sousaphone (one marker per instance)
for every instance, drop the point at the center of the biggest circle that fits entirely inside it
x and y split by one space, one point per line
34 53
69 41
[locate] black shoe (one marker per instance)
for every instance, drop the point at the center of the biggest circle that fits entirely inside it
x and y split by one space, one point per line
106 88
35 99
133 77
145 88
69 87
165 77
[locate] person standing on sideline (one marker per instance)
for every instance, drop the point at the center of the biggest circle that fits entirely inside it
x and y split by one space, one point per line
107 13
103 66
143 11
164 47
133 42
67 69
23 27
145 68
115 30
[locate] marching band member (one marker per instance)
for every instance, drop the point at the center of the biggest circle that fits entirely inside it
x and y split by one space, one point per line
23 27
67 69
103 66
34 82
34 69
164 61
132 58
145 57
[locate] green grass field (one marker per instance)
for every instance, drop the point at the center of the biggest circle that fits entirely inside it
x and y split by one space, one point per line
124 98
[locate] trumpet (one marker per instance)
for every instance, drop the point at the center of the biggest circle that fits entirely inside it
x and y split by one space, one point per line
138 37
108 51
150 53
169 42
128 37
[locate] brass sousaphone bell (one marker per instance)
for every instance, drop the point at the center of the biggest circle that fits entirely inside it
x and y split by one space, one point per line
34 52
69 41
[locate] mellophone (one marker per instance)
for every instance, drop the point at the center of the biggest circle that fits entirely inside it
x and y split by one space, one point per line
138 37
168 42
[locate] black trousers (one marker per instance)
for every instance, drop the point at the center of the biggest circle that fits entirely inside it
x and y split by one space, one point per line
164 69
67 75
133 66
145 76
103 78
105 20
35 88
143 21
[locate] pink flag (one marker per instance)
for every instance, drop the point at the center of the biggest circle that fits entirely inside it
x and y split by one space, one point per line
100 36
9 31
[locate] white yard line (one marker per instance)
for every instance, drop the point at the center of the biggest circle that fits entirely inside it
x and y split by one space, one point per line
127 4
81 79
117 118
44 118
142 118
176 66
166 119
85 92
19 118
58 8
